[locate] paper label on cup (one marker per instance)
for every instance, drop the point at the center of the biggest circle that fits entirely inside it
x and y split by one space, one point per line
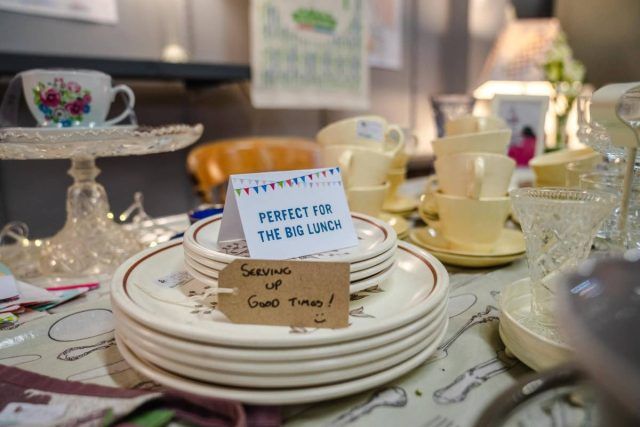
287 293
369 129
288 214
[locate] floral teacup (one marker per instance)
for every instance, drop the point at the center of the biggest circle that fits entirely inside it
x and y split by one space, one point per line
70 98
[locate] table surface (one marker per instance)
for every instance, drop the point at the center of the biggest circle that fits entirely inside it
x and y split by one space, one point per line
450 389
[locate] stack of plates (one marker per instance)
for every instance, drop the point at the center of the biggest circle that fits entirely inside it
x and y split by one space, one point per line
372 261
175 336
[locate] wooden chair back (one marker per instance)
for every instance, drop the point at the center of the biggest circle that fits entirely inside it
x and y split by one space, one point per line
212 163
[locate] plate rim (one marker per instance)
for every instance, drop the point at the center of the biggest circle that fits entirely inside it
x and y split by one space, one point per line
358 264
315 368
120 297
389 233
354 286
360 274
308 353
297 395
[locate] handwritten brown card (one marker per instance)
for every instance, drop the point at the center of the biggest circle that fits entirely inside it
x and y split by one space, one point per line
288 293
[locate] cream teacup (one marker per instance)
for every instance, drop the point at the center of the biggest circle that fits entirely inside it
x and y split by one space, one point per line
400 160
395 177
495 141
551 169
73 98
427 208
473 124
367 200
359 166
471 224
474 175
372 132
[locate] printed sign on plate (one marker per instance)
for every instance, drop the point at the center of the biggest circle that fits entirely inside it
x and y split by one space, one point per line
288 214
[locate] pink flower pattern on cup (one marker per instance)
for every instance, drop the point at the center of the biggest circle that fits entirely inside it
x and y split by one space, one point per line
62 102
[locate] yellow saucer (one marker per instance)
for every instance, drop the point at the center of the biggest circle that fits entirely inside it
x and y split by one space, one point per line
509 247
399 224
400 205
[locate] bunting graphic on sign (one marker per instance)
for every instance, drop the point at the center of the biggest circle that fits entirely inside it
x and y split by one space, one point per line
303 181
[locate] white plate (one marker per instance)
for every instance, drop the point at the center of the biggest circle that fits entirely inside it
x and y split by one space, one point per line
355 286
415 286
279 396
259 355
212 273
284 365
518 330
374 237
215 373
353 267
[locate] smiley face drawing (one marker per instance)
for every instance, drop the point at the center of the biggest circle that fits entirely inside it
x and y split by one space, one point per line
319 318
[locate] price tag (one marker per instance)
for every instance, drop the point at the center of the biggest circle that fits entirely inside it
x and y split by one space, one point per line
288 293
369 129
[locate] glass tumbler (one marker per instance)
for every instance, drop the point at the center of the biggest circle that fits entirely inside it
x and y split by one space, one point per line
609 235
559 225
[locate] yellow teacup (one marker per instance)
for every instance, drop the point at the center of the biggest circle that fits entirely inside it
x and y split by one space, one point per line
367 200
474 175
472 224
495 141
395 177
473 124
372 132
551 169
360 166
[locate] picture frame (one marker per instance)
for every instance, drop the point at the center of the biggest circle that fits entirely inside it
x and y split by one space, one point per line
525 116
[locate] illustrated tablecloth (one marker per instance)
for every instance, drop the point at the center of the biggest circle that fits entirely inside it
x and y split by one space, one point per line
452 388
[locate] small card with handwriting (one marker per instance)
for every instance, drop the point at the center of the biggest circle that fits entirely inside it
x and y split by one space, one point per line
287 293
289 214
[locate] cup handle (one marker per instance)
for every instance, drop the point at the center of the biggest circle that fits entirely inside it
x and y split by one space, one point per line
131 99
478 178
395 134
431 187
344 162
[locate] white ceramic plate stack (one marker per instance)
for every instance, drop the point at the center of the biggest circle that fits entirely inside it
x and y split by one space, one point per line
372 261
175 336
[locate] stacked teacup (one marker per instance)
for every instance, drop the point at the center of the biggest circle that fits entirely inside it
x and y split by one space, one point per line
466 201
364 148
394 202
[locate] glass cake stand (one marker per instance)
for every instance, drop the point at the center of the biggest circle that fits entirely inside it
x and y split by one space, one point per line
90 243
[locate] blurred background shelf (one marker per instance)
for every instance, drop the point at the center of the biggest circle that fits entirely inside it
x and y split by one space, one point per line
193 74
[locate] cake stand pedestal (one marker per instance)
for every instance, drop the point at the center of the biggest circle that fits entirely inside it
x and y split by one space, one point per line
90 243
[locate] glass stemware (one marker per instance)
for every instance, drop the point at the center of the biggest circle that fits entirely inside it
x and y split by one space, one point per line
610 236
594 135
559 226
